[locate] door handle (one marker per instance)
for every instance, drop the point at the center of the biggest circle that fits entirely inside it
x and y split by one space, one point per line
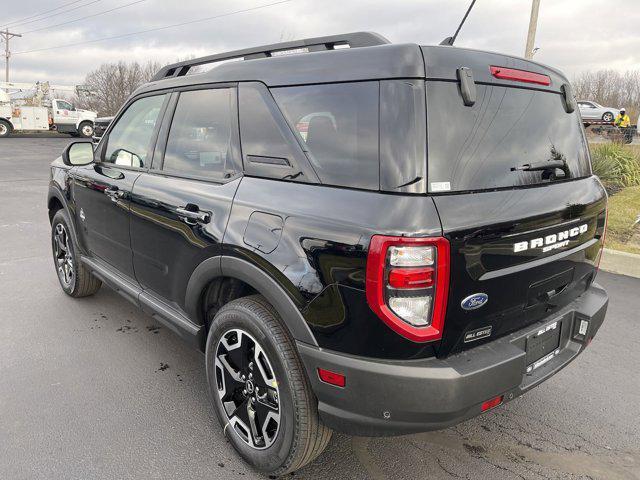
114 193
191 214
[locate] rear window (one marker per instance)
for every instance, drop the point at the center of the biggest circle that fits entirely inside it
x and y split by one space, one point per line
486 146
338 123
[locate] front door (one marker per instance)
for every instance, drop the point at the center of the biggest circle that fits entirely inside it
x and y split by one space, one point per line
64 113
102 190
180 208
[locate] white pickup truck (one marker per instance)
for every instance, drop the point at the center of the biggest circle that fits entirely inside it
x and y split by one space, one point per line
59 115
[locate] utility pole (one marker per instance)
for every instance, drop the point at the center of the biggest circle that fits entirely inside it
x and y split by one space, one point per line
533 24
6 35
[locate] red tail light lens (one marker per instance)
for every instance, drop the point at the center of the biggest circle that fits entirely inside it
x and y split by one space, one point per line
406 278
407 284
604 238
519 75
493 403
332 378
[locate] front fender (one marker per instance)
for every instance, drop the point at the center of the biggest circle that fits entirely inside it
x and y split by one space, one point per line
55 193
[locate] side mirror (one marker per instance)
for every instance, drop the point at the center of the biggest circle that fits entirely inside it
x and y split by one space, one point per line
78 154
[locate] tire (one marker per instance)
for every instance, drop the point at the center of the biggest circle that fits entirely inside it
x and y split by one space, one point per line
607 117
75 279
85 129
298 436
5 128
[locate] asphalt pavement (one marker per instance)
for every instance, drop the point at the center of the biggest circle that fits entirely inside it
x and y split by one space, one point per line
95 389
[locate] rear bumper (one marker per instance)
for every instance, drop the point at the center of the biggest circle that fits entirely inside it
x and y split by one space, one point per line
393 398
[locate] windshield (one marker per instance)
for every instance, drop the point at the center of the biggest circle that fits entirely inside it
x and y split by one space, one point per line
510 137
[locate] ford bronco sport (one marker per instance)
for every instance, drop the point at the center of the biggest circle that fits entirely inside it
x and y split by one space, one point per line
380 239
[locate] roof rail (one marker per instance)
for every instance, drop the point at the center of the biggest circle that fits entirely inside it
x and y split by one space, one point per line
353 40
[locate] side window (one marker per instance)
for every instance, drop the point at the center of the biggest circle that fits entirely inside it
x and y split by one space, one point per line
62 105
403 136
129 141
201 137
339 125
269 147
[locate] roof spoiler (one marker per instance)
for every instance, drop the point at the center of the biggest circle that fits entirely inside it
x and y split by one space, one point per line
352 40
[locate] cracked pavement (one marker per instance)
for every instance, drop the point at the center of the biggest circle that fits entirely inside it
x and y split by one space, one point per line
94 388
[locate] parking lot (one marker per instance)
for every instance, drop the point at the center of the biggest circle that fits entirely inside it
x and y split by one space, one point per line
93 388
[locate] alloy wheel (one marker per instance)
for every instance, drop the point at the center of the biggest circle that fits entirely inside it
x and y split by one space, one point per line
3 129
247 388
62 255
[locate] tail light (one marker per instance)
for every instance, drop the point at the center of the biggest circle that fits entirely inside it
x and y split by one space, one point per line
604 236
407 284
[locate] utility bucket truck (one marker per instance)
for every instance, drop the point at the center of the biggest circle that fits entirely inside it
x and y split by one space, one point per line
34 107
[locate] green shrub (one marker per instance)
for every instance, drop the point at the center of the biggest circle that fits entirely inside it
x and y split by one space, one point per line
616 164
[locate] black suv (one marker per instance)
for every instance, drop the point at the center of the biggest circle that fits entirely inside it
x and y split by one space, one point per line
379 239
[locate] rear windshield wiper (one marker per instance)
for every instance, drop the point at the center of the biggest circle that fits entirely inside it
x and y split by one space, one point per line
547 168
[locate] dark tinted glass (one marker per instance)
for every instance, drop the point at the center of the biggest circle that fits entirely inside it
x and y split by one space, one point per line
261 135
403 135
486 146
130 139
200 138
339 125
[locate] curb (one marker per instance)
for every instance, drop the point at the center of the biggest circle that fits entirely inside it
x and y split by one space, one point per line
620 262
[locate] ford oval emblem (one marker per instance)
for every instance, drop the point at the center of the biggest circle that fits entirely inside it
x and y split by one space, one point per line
474 301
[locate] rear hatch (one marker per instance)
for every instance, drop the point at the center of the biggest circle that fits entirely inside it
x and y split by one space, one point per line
511 179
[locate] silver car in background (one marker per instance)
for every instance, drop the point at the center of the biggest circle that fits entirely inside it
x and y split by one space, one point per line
594 111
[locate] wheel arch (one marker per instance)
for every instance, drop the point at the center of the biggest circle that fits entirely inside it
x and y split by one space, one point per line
221 267
84 120
55 202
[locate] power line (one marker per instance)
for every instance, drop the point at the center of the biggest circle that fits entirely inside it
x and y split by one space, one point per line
85 17
258 7
41 13
56 14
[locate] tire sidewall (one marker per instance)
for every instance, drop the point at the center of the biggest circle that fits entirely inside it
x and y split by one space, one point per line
8 129
275 456
61 218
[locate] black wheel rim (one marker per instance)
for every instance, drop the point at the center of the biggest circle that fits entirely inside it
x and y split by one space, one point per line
247 388
62 255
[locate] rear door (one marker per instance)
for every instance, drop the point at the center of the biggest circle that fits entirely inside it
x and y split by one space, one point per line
511 179
180 208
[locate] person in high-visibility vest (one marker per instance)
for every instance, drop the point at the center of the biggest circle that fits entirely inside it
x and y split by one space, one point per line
624 123
622 120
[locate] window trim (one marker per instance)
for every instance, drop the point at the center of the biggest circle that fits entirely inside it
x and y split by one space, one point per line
104 141
157 162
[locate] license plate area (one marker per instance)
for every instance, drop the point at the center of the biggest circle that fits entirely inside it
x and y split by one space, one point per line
543 345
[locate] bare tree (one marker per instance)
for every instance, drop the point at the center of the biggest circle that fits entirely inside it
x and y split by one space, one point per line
611 88
112 83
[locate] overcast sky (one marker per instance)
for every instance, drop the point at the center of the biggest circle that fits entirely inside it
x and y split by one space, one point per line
573 35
